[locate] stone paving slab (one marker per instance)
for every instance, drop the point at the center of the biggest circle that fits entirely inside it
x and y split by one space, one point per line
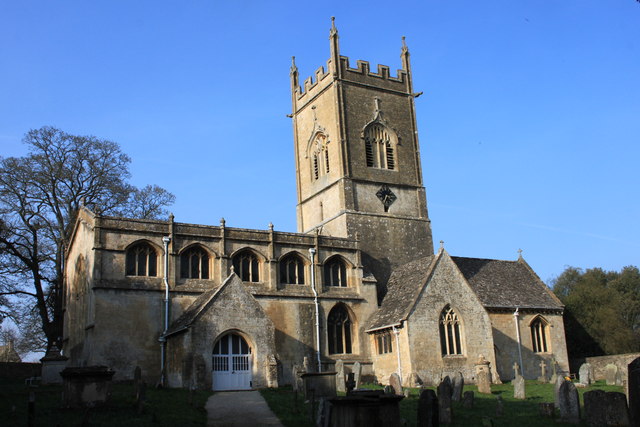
239 408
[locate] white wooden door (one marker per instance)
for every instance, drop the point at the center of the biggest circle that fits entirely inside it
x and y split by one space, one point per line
231 363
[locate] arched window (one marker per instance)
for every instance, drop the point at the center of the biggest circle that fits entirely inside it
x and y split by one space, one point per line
246 265
339 330
320 156
141 260
335 272
194 264
450 332
539 330
379 147
292 270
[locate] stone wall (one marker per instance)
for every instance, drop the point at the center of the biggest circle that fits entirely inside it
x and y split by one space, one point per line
599 363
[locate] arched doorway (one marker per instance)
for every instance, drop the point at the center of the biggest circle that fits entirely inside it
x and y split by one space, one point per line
231 363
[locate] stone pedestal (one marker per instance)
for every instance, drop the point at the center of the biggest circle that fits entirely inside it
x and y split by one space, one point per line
86 387
319 384
52 365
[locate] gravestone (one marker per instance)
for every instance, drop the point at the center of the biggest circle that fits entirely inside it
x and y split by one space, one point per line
483 381
499 406
340 385
543 372
394 382
516 370
458 385
467 399
357 371
633 391
554 371
519 391
351 382
585 374
559 382
444 401
295 376
610 373
428 409
306 365
569 403
605 408
414 380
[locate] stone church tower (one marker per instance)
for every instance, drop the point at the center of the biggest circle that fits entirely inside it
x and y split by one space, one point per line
358 160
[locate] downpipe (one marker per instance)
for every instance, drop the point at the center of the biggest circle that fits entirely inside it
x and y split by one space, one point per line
396 332
163 338
312 253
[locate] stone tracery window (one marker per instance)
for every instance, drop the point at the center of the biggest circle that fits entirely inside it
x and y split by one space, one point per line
339 330
379 148
335 272
320 156
539 339
292 270
141 260
194 264
247 266
450 332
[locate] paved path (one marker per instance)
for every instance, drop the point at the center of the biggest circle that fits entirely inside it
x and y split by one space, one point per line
239 408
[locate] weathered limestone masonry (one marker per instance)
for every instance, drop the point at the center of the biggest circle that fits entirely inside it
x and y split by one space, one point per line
359 282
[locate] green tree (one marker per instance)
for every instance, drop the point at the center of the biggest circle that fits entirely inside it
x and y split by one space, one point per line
40 195
602 310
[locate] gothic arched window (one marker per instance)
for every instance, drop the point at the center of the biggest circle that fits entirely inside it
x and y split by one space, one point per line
379 147
450 332
539 329
320 156
246 265
141 260
335 272
339 330
292 270
194 264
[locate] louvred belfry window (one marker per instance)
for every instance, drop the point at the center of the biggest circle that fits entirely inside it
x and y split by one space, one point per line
320 156
379 149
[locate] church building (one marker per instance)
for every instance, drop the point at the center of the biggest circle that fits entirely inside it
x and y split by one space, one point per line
230 308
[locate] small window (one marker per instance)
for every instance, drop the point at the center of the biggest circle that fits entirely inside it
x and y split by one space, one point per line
378 146
194 264
335 273
141 260
450 334
246 265
539 329
292 270
339 330
384 342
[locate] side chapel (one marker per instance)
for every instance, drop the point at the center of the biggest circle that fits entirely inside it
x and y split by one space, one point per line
231 308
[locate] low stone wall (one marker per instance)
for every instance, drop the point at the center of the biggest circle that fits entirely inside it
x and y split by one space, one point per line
19 371
599 363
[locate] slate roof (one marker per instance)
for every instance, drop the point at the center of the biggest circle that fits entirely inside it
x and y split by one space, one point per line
498 284
502 284
403 287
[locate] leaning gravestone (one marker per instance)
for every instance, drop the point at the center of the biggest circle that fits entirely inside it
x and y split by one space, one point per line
569 403
519 388
357 371
428 409
340 385
394 382
585 374
458 385
610 373
444 400
633 391
467 399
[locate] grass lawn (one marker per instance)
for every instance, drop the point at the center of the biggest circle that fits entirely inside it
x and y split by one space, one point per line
521 413
164 407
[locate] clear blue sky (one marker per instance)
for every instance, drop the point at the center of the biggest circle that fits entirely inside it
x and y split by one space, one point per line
529 124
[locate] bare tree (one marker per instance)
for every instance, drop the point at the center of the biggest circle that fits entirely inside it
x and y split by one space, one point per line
40 195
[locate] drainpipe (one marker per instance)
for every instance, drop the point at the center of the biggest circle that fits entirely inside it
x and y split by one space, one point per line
163 338
312 253
396 332
515 320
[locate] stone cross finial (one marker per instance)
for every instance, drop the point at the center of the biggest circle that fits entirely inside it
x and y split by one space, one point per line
222 222
270 226
519 253
441 244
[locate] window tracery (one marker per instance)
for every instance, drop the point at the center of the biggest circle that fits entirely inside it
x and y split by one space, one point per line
194 264
539 330
335 273
339 330
292 270
450 332
379 148
246 265
141 260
